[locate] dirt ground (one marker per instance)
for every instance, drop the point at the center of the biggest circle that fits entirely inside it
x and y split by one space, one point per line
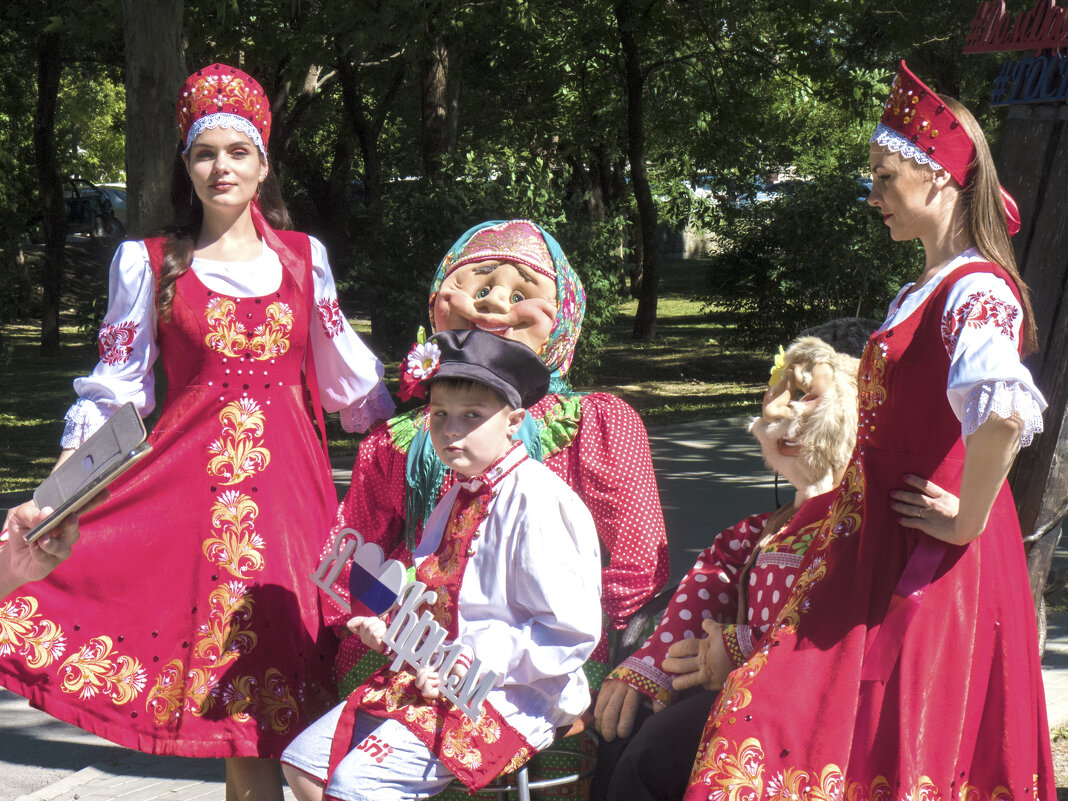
1060 764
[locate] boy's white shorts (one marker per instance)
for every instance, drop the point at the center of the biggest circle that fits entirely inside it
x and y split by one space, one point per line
386 762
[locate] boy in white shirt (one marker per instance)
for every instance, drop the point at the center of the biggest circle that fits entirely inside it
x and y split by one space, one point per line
512 555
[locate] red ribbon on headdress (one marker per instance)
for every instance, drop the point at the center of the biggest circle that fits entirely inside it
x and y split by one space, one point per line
1012 211
917 114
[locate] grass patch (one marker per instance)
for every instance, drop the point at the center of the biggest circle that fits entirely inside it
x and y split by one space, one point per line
684 375
35 396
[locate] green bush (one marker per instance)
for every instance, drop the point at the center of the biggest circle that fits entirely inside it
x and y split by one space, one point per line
802 259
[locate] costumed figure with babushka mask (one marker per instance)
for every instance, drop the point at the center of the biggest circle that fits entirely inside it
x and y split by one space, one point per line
724 604
511 278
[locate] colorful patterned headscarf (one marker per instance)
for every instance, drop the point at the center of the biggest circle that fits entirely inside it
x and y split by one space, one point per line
524 242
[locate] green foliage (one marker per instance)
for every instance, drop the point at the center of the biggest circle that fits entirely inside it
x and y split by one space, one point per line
800 260
90 125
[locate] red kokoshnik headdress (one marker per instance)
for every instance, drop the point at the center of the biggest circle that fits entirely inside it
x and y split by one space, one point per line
223 97
918 125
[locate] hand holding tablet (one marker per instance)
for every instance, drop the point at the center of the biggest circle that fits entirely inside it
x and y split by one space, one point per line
116 447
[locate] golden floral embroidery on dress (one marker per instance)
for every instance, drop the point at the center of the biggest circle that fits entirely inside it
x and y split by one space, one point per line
165 699
878 790
223 636
234 544
793 783
871 378
95 669
796 543
735 694
926 790
239 696
843 518
736 775
274 703
199 690
238 454
227 336
272 337
23 631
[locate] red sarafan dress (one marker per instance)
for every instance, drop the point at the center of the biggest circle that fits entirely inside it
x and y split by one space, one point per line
900 667
186 623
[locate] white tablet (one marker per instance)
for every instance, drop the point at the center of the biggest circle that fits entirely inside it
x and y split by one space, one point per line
112 450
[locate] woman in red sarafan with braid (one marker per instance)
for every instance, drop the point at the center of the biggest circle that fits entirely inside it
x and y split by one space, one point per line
904 664
511 278
187 625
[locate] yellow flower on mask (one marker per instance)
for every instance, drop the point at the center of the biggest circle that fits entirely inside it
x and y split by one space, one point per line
777 367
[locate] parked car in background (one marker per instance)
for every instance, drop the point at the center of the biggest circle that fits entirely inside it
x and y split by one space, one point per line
117 195
96 211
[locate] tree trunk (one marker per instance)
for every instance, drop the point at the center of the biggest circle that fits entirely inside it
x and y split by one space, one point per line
1033 165
155 69
645 318
51 188
366 130
440 74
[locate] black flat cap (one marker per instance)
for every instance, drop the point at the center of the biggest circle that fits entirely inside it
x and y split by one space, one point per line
511 368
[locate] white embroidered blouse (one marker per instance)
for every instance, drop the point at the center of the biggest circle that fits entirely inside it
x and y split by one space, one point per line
349 375
980 330
529 606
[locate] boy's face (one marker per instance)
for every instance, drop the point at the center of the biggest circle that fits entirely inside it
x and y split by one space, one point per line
471 427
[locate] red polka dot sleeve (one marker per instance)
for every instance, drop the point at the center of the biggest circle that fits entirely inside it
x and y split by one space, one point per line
374 506
708 591
614 477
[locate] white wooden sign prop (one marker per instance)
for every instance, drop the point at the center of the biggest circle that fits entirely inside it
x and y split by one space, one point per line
419 641
414 637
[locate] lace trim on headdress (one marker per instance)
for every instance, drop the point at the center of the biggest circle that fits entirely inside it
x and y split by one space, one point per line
896 142
225 120
82 421
1006 399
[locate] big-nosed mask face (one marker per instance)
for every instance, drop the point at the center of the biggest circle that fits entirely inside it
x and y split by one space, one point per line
501 297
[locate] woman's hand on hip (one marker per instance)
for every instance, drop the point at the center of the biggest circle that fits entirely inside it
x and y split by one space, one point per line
927 508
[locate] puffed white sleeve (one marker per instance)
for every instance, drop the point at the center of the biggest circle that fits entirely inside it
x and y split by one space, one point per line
980 330
554 594
127 345
349 374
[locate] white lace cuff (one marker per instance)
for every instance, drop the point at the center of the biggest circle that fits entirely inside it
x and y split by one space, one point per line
82 421
1006 399
376 405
